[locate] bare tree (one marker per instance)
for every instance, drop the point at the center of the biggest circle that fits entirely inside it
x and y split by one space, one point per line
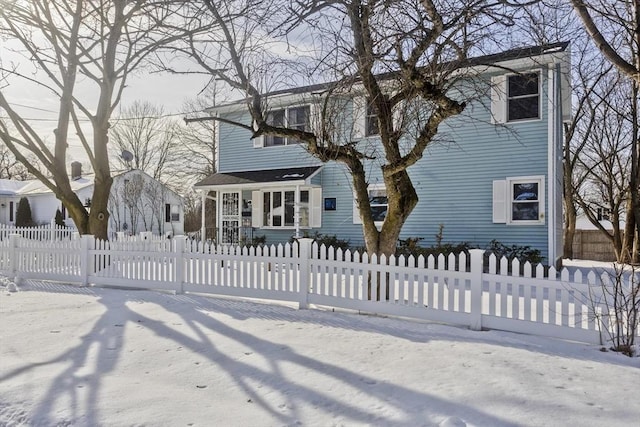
604 162
10 167
614 28
152 139
80 47
404 57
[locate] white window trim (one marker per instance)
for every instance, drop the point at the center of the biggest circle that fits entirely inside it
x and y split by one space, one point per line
539 179
500 98
260 142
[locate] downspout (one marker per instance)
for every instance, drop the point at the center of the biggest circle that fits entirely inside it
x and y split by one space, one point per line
552 105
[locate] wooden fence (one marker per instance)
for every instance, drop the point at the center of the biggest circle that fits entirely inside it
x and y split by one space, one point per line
459 290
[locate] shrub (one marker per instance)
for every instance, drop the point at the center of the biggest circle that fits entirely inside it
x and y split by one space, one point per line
23 214
59 219
523 253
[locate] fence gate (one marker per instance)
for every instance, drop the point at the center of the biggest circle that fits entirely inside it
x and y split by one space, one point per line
231 218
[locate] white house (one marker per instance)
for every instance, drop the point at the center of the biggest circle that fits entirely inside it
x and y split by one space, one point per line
137 202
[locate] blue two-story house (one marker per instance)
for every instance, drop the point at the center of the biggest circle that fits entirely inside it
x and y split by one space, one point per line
495 171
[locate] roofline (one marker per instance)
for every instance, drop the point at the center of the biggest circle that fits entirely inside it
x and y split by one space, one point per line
482 63
269 184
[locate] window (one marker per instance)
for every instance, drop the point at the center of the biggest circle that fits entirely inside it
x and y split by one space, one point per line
371 120
515 97
379 205
171 213
525 203
603 214
277 208
293 118
523 97
519 200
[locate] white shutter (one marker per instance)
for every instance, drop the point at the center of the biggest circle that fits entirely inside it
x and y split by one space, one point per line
316 207
314 117
256 209
258 142
400 116
359 117
500 201
499 99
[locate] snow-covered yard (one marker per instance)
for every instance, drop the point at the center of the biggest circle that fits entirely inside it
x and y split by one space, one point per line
90 356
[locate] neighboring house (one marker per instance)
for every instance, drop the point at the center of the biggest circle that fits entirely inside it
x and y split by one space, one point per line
495 174
137 202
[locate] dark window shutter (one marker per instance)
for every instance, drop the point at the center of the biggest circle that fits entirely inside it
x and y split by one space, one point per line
167 212
11 211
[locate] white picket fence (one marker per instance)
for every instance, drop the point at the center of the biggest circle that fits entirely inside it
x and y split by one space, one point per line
41 232
451 289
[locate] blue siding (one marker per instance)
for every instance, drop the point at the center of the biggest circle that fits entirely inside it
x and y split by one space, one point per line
237 152
453 179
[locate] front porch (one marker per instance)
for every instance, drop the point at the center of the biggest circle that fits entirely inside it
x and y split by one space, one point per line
281 203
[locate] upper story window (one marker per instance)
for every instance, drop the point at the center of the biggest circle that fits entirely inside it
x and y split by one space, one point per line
523 96
293 118
516 97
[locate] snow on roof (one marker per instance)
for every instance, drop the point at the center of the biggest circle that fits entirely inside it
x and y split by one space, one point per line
36 187
10 187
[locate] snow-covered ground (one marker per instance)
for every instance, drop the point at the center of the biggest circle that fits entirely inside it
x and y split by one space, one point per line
107 357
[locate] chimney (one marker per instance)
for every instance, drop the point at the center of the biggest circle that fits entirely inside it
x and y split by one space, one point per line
76 170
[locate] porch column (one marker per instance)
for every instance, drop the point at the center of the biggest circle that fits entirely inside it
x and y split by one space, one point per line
296 211
203 227
218 217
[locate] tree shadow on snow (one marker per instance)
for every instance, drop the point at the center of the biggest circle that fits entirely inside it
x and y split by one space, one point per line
100 350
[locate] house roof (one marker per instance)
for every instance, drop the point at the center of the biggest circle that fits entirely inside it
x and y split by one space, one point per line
484 60
10 187
35 186
258 177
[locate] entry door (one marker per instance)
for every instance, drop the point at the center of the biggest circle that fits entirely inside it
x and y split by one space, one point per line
231 218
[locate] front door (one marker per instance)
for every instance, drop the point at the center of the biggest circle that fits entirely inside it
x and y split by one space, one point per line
230 218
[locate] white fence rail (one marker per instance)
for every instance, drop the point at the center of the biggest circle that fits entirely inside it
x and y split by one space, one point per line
450 289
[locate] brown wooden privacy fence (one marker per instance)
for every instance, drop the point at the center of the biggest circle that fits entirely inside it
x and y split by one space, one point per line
458 289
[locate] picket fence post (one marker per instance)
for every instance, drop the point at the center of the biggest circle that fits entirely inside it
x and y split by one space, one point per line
87 243
305 270
179 242
13 257
477 256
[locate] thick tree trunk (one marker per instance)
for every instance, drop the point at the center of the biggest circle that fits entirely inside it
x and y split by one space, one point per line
569 231
629 234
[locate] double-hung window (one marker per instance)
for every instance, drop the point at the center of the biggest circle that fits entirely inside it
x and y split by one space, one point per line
516 97
292 118
519 200
523 96
371 120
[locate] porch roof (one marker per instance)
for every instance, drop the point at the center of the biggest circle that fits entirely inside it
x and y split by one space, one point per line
259 177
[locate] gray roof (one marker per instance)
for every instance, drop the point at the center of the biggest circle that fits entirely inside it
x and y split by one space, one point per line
488 60
258 176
